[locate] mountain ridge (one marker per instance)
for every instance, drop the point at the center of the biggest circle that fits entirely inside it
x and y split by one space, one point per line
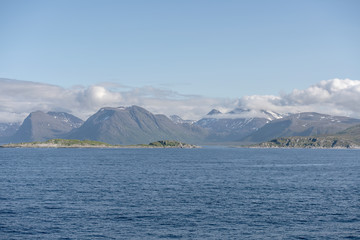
134 125
302 124
235 125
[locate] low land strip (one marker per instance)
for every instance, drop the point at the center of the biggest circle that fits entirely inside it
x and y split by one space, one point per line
73 143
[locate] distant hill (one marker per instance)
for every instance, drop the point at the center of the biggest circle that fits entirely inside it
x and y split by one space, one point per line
350 134
349 138
134 125
40 126
302 124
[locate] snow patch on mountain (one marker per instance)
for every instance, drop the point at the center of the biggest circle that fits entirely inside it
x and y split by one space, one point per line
245 113
71 120
178 120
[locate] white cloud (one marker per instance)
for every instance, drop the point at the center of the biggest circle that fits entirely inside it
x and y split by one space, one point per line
335 96
19 98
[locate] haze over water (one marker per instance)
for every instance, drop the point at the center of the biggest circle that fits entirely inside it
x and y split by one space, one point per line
209 193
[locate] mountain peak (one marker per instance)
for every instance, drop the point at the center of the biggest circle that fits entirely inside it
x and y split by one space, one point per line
214 112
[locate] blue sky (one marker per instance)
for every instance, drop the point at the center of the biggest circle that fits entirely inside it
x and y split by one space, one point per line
209 48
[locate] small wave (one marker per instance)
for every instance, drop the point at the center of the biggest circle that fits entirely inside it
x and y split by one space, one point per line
292 165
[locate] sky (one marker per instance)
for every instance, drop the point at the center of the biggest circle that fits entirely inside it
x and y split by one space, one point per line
213 53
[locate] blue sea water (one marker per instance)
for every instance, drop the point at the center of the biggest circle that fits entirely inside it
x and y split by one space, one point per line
208 193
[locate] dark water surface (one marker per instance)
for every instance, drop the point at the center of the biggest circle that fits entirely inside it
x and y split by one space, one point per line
209 193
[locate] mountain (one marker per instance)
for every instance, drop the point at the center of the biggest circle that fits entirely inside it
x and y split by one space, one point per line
40 126
236 124
302 124
134 125
8 129
349 138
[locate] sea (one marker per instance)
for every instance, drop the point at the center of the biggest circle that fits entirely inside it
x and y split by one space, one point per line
205 193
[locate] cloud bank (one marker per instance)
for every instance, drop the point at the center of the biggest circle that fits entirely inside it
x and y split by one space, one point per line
19 98
335 97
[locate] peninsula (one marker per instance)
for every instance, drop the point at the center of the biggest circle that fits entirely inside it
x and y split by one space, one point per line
74 143
308 142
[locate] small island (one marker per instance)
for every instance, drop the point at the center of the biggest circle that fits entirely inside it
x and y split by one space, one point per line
74 143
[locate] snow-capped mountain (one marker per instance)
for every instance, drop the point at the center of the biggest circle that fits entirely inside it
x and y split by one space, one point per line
252 113
302 124
236 124
130 125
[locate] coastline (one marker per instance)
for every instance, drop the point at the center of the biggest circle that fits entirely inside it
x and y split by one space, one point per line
62 143
280 147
